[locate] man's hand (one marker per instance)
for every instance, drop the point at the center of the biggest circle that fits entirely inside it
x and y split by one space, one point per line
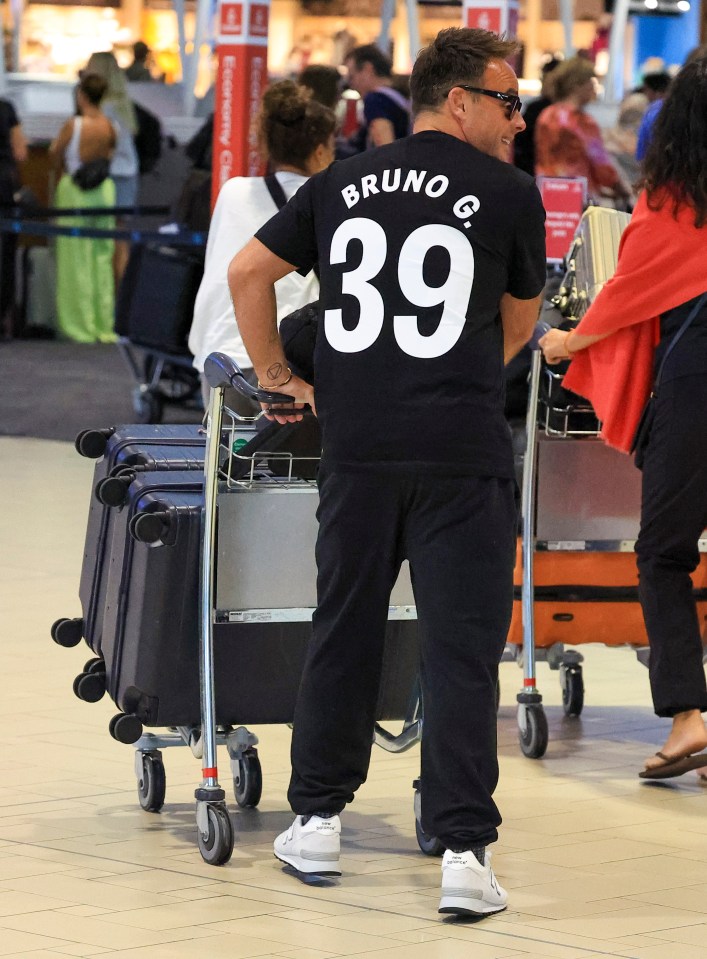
290 412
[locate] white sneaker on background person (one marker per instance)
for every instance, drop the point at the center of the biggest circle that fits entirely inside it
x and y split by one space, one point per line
468 888
311 845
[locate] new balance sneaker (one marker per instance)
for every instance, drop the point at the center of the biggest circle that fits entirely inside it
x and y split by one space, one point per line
468 888
311 845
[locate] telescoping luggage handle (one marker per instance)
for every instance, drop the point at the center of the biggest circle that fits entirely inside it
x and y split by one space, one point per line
221 371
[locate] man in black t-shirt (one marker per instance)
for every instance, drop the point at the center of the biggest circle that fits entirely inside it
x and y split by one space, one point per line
431 254
386 113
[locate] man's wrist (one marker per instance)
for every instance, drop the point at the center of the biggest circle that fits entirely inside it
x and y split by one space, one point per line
276 376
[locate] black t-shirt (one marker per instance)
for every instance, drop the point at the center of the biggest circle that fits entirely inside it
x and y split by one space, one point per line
379 105
417 242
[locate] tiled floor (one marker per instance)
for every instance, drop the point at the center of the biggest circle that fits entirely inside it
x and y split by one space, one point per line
597 863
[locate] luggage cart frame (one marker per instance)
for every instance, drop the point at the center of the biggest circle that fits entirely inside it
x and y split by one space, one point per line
574 420
214 827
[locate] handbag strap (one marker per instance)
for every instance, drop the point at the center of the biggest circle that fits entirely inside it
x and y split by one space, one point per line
691 316
275 190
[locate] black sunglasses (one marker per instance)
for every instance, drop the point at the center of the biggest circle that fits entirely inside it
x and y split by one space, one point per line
511 99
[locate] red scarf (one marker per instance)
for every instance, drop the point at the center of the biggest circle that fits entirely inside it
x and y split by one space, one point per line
662 264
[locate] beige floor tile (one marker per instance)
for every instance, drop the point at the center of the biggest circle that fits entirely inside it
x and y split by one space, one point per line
87 892
13 942
440 949
377 923
96 932
665 950
695 935
307 954
305 935
219 947
217 909
641 919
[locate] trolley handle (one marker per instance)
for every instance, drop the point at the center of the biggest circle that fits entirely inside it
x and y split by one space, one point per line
541 328
221 370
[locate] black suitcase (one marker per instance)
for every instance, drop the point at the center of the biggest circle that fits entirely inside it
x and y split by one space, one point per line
154 305
124 450
151 630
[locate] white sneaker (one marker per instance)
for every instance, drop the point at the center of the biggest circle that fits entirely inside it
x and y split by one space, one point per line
468 888
311 847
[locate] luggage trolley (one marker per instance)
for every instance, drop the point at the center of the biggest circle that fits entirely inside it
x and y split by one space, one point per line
243 502
580 513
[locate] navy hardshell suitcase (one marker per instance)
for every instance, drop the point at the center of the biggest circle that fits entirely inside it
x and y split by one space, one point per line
120 453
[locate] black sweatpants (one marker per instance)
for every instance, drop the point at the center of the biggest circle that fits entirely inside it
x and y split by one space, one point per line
673 516
459 537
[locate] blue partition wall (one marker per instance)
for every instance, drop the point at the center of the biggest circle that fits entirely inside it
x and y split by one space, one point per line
671 38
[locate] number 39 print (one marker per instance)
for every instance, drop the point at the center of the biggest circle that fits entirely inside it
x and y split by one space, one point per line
454 293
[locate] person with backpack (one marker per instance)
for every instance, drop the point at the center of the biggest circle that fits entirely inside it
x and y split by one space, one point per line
386 112
297 137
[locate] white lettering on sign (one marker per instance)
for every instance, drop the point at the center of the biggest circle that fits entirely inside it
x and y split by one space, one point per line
228 66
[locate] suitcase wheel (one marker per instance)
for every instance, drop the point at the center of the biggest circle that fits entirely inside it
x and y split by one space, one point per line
216 846
125 729
572 689
90 687
152 784
95 665
430 845
532 730
248 781
149 527
92 443
113 490
67 632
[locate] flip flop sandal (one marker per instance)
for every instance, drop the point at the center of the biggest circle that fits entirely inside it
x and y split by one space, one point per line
674 766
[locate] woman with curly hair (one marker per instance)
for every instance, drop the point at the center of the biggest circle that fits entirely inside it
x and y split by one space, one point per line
616 351
296 137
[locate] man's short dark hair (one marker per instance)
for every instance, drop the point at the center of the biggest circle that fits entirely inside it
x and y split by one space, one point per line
370 53
140 50
456 55
656 82
93 86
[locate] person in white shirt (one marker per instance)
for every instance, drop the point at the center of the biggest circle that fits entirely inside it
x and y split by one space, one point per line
297 136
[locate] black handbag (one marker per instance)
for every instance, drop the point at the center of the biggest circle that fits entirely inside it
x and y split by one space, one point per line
92 174
645 424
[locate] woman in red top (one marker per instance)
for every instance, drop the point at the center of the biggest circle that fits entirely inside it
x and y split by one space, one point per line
622 339
567 140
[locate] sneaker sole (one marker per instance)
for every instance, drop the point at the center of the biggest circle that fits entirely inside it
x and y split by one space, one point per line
311 867
459 907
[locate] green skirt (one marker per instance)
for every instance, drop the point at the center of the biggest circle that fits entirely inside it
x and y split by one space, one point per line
85 294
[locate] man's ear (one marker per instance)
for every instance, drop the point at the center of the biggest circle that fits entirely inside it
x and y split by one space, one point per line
456 102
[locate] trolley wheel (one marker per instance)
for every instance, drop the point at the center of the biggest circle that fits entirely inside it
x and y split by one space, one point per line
533 733
125 729
152 785
217 847
572 690
248 781
90 687
147 407
430 845
95 665
67 632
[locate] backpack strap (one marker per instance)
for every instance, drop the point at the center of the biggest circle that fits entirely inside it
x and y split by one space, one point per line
275 190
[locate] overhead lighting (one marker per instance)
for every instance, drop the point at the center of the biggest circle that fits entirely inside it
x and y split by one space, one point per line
651 4
683 5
